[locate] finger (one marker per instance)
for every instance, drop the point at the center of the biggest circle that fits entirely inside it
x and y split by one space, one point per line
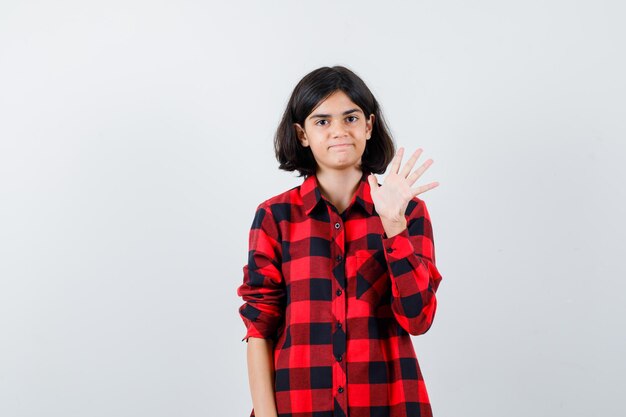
373 182
410 162
395 162
418 172
424 188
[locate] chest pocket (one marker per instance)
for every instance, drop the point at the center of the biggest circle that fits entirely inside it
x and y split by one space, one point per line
372 278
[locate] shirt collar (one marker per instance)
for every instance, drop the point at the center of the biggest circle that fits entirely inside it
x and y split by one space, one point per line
311 195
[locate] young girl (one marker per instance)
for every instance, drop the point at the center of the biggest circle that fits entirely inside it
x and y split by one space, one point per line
341 269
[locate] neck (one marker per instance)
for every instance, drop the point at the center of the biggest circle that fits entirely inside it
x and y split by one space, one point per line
338 187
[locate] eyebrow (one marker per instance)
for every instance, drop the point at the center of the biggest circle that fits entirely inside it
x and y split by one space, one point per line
328 115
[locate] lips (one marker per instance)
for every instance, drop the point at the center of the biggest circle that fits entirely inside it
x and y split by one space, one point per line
340 145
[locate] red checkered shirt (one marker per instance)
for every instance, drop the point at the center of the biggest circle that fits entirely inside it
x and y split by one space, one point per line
340 300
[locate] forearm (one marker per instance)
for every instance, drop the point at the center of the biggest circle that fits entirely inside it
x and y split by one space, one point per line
261 376
410 256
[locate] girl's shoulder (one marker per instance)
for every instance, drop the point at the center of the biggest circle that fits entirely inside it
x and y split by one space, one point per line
289 196
283 200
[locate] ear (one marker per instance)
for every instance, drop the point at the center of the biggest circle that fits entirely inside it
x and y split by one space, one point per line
301 134
369 125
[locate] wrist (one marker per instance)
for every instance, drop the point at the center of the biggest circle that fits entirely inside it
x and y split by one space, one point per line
393 227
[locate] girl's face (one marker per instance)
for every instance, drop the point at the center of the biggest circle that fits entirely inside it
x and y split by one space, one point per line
336 130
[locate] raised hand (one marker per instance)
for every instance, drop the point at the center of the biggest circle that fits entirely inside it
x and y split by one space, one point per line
392 197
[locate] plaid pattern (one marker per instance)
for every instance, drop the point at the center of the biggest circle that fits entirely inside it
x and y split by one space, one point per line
340 300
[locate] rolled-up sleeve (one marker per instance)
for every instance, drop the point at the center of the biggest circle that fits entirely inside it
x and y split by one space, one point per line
415 277
263 287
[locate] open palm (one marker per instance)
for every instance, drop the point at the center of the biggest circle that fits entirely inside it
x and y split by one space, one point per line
392 197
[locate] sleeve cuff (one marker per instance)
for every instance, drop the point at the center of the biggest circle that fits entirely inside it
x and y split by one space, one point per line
398 246
258 323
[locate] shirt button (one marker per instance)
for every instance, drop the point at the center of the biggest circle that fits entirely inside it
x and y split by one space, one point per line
339 358
339 323
340 389
339 257
339 293
337 225
389 250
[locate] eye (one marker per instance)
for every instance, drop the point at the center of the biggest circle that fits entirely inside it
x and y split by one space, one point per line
354 117
318 122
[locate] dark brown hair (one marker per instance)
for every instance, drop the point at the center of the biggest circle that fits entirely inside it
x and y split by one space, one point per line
312 89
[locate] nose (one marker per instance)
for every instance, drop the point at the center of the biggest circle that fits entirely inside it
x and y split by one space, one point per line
338 130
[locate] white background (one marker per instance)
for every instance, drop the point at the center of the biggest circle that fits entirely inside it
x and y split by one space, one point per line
136 142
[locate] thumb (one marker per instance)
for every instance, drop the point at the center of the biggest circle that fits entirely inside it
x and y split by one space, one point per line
371 179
